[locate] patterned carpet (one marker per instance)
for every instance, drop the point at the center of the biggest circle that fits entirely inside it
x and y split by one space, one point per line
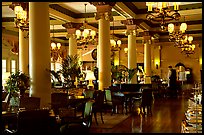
109 121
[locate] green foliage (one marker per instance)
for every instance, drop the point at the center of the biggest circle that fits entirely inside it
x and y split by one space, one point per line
121 71
18 82
56 75
71 67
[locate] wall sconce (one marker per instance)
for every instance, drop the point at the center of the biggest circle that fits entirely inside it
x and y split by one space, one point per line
156 64
126 50
90 77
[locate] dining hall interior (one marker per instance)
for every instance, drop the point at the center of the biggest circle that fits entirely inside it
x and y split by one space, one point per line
101 67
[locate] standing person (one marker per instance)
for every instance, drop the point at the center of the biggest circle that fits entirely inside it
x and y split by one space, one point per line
172 81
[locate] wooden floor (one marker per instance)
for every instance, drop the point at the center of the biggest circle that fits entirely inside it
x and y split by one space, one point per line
167 115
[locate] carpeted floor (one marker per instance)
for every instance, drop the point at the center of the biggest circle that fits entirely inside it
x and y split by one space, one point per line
109 121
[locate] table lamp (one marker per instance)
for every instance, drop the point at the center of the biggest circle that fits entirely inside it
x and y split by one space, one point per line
90 77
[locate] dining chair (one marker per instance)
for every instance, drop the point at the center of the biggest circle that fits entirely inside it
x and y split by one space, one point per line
98 106
113 101
80 124
147 100
88 93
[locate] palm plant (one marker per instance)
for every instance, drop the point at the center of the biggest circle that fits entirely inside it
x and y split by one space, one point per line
121 71
71 67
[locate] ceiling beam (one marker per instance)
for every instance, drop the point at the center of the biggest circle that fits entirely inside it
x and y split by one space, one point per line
125 9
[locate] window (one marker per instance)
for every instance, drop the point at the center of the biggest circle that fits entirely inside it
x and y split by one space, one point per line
3 66
13 66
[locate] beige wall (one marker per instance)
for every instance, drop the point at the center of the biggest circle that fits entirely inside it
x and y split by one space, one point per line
170 55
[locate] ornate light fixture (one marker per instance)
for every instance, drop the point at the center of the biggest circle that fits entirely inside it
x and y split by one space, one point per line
161 12
56 51
84 35
21 10
186 45
177 33
114 42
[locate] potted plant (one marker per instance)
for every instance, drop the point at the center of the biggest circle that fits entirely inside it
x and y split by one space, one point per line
55 75
16 85
71 68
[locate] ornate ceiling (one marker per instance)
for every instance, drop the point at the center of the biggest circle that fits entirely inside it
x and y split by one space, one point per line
62 12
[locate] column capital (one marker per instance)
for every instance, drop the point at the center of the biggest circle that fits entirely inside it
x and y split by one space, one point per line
146 35
72 27
131 25
103 10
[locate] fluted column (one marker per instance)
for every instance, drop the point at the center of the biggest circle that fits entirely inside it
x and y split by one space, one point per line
39 51
132 60
98 59
147 57
104 15
23 51
131 25
72 45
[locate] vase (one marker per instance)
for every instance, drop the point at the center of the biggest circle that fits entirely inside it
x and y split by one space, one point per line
14 103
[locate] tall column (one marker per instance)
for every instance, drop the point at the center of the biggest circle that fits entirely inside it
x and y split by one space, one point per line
147 57
71 29
39 51
132 61
104 15
98 59
131 25
72 45
23 51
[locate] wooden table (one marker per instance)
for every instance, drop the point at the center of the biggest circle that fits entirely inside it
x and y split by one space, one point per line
127 96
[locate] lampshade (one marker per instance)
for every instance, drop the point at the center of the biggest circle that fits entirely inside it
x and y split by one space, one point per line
58 45
90 75
119 43
170 27
53 45
18 9
183 27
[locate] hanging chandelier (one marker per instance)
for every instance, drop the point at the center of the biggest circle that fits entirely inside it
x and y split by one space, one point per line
187 45
56 51
21 10
115 44
161 12
176 33
84 35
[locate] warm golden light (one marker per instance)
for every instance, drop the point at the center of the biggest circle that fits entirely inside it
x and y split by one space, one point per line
119 43
176 5
126 50
18 9
53 45
93 34
190 39
78 33
58 45
171 27
183 27
90 77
